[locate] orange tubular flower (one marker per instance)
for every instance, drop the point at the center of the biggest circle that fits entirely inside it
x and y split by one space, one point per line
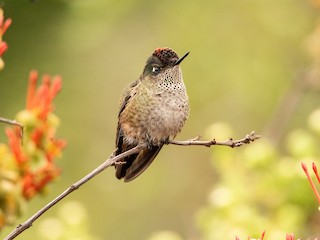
4 25
35 157
15 145
41 100
27 162
3 48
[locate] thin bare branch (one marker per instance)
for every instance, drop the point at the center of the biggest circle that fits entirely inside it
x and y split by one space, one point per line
229 143
112 160
109 162
11 122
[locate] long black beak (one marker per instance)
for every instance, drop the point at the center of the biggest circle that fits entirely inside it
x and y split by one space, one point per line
181 59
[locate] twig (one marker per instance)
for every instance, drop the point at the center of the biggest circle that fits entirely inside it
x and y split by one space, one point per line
109 162
115 160
229 143
12 122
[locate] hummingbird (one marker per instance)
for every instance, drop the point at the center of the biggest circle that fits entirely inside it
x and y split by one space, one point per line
153 109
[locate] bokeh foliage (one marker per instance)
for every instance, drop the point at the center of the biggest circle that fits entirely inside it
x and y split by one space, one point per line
244 57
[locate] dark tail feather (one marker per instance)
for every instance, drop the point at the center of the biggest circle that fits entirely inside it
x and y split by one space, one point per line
136 164
122 168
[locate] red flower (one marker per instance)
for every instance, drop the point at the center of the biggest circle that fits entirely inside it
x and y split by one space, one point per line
290 236
315 170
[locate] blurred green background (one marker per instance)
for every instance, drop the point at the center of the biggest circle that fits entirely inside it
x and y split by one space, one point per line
244 57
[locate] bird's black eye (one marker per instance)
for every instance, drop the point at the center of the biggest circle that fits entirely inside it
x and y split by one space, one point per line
155 70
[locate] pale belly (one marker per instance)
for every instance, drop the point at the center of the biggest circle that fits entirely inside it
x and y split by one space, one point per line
167 119
159 118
